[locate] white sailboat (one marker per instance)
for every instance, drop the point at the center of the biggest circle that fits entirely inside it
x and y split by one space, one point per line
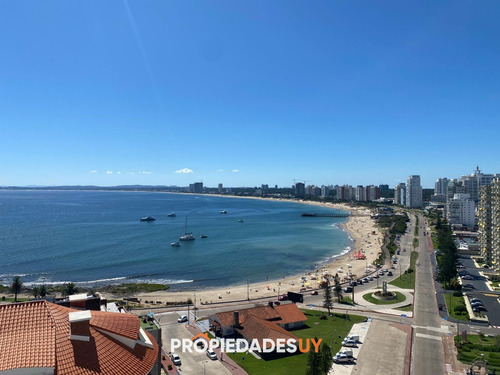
188 236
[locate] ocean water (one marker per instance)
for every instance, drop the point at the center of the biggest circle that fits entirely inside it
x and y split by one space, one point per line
94 237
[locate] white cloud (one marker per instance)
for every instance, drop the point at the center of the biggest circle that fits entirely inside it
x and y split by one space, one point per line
132 173
118 172
235 171
184 170
109 172
220 170
93 171
145 172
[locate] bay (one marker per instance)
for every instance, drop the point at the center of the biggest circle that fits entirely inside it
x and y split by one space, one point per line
95 237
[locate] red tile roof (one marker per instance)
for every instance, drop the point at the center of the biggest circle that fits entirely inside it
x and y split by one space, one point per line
262 312
37 334
289 313
259 329
280 314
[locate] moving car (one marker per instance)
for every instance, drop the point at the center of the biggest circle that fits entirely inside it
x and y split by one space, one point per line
182 319
314 293
467 277
176 359
211 354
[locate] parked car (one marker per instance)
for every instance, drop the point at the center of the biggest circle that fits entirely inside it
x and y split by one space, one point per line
350 343
211 354
347 352
474 300
389 273
353 337
284 297
182 319
468 286
353 283
479 309
342 358
176 359
314 293
370 278
376 276
348 289
476 304
366 279
467 277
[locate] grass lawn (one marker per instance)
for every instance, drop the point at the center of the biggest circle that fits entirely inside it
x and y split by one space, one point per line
455 301
407 280
415 242
346 300
399 298
405 308
332 331
477 345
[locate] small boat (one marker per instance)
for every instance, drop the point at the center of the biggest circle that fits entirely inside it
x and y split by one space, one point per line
188 236
172 214
203 236
147 218
223 212
240 220
175 244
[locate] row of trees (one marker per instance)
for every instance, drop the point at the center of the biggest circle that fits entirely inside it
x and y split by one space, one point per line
319 363
448 254
16 287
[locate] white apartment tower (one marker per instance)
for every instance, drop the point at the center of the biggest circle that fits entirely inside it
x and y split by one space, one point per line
461 210
413 192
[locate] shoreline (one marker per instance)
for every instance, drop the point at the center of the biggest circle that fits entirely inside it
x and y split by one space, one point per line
359 228
365 239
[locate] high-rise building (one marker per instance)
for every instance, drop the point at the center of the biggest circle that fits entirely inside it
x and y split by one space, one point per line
300 189
495 223
325 191
400 194
485 227
372 193
413 192
461 210
345 192
383 187
473 183
220 188
197 188
441 186
359 193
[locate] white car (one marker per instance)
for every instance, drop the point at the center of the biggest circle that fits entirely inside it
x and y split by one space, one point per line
349 343
211 354
176 359
182 319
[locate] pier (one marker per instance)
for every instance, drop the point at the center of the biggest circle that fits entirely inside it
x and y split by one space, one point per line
306 214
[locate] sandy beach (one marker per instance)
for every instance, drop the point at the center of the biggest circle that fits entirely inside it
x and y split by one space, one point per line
367 241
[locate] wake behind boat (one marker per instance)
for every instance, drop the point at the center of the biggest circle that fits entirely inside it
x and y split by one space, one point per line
172 214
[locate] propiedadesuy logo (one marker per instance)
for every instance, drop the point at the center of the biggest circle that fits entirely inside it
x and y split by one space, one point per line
241 345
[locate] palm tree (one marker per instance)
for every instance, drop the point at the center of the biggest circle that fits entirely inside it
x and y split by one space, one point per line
69 289
35 291
16 286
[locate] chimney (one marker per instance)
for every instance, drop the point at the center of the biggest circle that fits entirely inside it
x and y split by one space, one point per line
79 323
236 318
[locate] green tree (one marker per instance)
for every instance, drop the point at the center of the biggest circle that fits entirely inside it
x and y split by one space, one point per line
35 291
338 287
42 291
313 366
69 289
16 286
325 355
327 292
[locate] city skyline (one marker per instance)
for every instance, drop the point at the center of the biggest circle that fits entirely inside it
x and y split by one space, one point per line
246 94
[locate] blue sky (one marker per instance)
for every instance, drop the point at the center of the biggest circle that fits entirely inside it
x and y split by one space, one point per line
245 93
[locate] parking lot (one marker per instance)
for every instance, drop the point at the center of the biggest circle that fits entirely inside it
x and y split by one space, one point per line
192 363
